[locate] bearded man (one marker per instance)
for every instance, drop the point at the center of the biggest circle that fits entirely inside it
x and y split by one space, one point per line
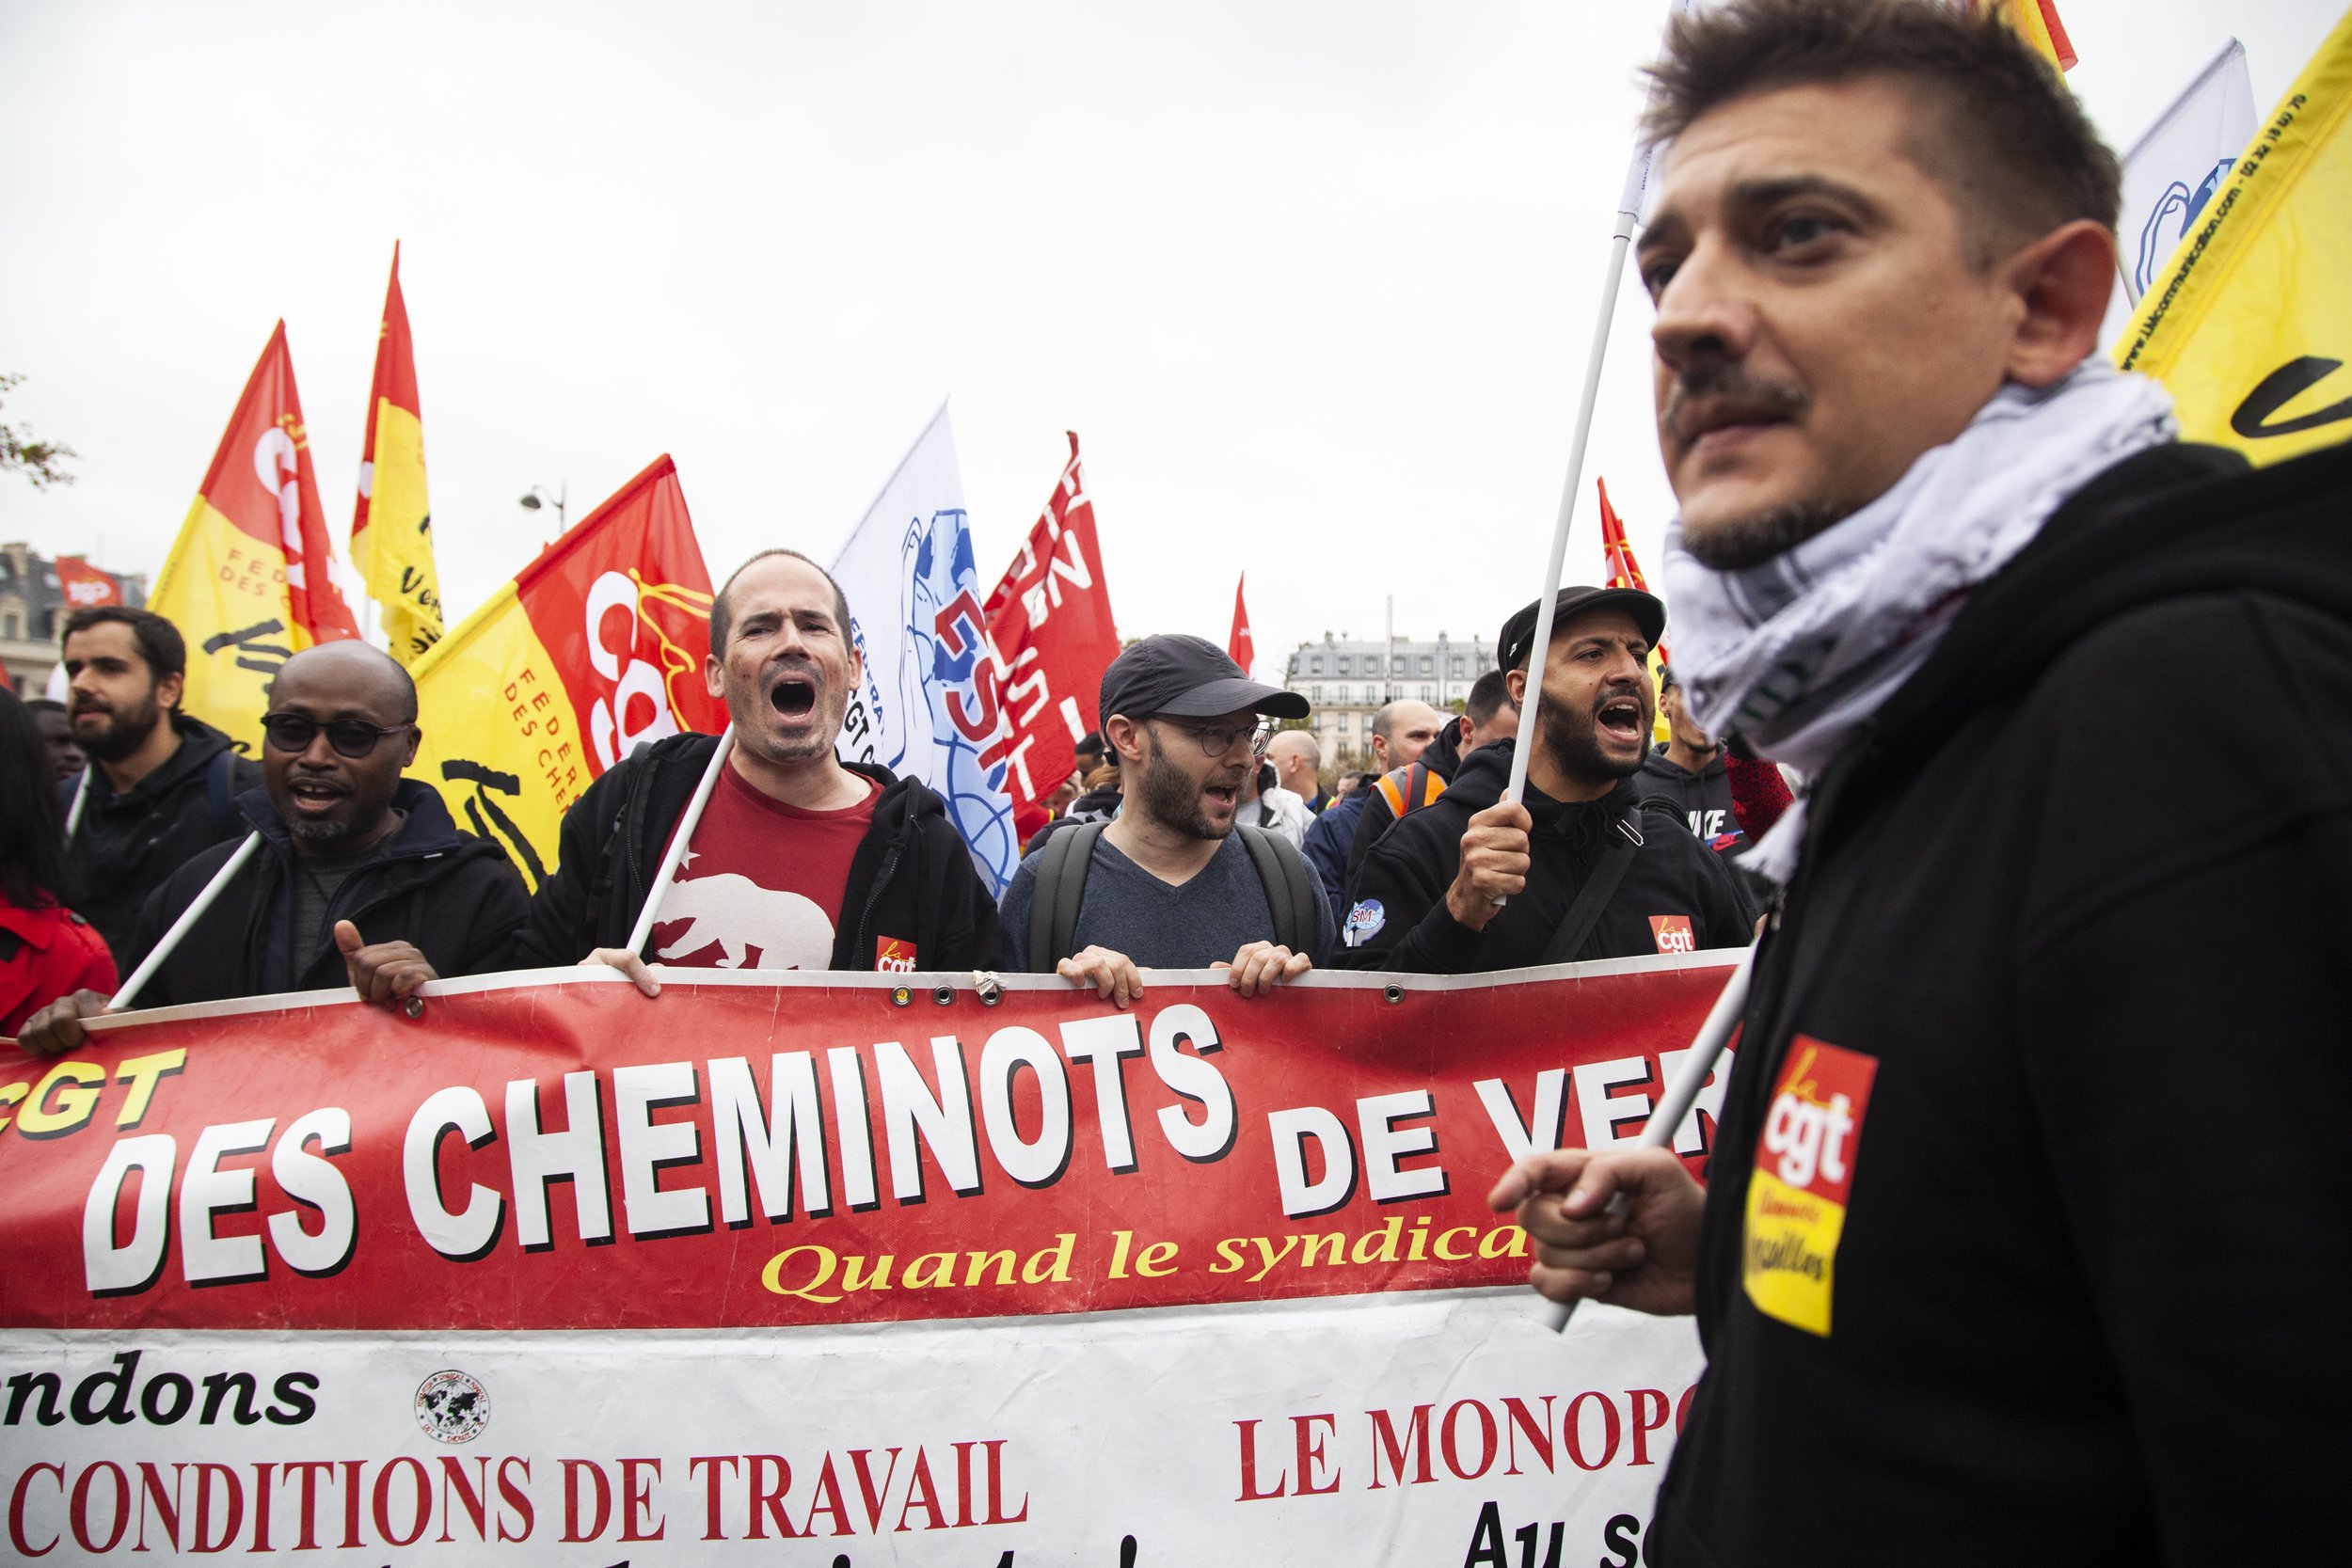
2028 1226
1580 870
161 787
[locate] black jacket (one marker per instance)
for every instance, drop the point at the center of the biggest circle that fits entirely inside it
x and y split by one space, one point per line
912 878
454 896
126 844
1397 918
1444 757
2087 1304
1703 797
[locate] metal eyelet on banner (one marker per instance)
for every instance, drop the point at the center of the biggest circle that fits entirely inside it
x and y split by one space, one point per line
1392 994
413 1006
989 988
900 996
944 995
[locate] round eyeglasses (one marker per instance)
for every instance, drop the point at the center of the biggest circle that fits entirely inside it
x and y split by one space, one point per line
1217 739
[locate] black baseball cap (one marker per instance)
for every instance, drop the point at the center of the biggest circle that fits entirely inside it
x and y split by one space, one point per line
1512 642
1188 678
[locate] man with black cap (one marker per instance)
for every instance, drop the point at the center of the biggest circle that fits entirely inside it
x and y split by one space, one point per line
1169 883
1580 870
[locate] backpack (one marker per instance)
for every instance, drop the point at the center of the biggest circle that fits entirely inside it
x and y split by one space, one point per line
1410 788
1291 889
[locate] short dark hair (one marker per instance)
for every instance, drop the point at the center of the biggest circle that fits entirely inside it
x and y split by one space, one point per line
2012 146
722 616
1091 744
32 836
1489 695
159 640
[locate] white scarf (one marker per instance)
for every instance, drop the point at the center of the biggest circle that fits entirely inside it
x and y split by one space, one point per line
1797 652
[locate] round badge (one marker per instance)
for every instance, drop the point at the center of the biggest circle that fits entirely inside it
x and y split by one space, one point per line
452 1407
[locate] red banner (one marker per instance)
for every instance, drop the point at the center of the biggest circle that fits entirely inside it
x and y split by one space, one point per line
555 1150
1050 624
83 585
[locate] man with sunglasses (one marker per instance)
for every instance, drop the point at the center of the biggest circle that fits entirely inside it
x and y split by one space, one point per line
1169 883
363 879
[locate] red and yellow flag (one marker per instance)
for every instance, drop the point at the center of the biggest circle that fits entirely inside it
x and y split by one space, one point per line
2036 22
248 580
392 531
593 648
1625 572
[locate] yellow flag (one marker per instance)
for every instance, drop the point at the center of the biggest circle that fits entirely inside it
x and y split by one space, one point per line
391 532
2250 328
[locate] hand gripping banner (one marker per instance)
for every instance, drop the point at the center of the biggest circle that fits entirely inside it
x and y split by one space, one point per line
877 1268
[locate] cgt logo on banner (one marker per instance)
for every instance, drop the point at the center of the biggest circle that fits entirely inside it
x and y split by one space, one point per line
1029 1280
927 706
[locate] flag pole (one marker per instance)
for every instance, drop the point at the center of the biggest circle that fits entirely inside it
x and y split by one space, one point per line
189 916
678 841
1707 1049
1620 240
81 798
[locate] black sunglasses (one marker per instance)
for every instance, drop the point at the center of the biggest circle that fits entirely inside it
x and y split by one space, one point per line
351 737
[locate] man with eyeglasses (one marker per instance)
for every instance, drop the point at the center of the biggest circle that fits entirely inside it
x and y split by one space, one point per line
1169 883
363 879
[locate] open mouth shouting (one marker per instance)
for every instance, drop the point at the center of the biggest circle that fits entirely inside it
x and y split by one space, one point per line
793 696
1221 798
1618 719
315 797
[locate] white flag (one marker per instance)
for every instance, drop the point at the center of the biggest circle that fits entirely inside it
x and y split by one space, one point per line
916 619
2180 161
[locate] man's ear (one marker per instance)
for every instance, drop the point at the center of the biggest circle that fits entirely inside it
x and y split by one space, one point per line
1516 684
1124 736
170 689
713 672
2063 280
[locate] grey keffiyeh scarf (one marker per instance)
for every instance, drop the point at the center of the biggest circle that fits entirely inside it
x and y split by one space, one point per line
1796 653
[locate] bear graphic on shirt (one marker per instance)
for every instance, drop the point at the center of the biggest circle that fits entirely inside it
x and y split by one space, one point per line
737 915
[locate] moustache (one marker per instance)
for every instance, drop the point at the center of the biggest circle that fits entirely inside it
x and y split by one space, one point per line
1723 380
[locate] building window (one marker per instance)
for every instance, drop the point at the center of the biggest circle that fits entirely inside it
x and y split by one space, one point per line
1454 667
1344 670
1424 693
1343 727
1314 693
1427 664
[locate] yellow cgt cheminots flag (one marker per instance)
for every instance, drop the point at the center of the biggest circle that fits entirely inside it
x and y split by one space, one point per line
2250 325
391 532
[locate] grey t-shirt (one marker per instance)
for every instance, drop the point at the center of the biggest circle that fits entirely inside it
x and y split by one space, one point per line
1129 911
317 879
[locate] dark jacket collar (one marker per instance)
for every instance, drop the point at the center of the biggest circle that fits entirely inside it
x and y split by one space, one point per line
199 744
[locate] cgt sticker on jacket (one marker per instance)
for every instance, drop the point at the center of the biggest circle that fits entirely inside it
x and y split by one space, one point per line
1804 1172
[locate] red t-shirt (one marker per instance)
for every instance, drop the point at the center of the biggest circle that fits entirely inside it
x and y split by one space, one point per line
760 886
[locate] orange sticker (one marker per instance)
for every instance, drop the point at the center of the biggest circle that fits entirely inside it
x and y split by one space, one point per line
1674 933
1797 1196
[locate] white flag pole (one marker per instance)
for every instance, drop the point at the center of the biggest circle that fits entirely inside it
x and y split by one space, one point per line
678 841
188 917
1707 1049
81 798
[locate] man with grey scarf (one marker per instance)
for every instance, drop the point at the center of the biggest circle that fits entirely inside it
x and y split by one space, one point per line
2027 1228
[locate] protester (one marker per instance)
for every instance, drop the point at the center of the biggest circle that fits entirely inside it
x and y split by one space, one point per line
2028 1228
56 733
162 787
362 878
1685 770
801 860
1170 883
46 950
1401 732
1266 804
1475 882
1298 763
1488 715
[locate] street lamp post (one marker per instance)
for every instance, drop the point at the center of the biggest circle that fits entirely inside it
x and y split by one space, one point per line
537 497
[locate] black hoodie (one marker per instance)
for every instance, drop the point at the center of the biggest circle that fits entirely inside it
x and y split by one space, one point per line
452 896
1444 757
1676 896
126 844
912 878
2084 1299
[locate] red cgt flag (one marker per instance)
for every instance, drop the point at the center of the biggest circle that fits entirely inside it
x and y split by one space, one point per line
1050 624
1238 642
84 585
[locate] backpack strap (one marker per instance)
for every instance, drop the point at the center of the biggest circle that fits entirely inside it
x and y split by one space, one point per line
1290 888
1061 887
1431 784
1584 913
1391 788
216 791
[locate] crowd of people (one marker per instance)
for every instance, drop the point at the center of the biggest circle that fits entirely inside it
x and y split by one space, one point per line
1193 837
2022 1234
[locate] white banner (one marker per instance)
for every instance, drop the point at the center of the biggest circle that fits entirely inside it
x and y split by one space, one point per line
915 617
2178 163
1431 1432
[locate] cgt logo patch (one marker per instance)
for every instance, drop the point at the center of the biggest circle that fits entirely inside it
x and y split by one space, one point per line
1674 933
894 956
1803 1171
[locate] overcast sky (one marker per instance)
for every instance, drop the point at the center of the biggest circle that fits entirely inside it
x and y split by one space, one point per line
1313 281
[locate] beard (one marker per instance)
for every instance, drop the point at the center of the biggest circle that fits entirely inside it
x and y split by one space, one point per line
1172 797
126 731
1573 743
1739 542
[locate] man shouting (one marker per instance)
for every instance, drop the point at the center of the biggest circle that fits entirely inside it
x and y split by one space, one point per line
2028 1228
